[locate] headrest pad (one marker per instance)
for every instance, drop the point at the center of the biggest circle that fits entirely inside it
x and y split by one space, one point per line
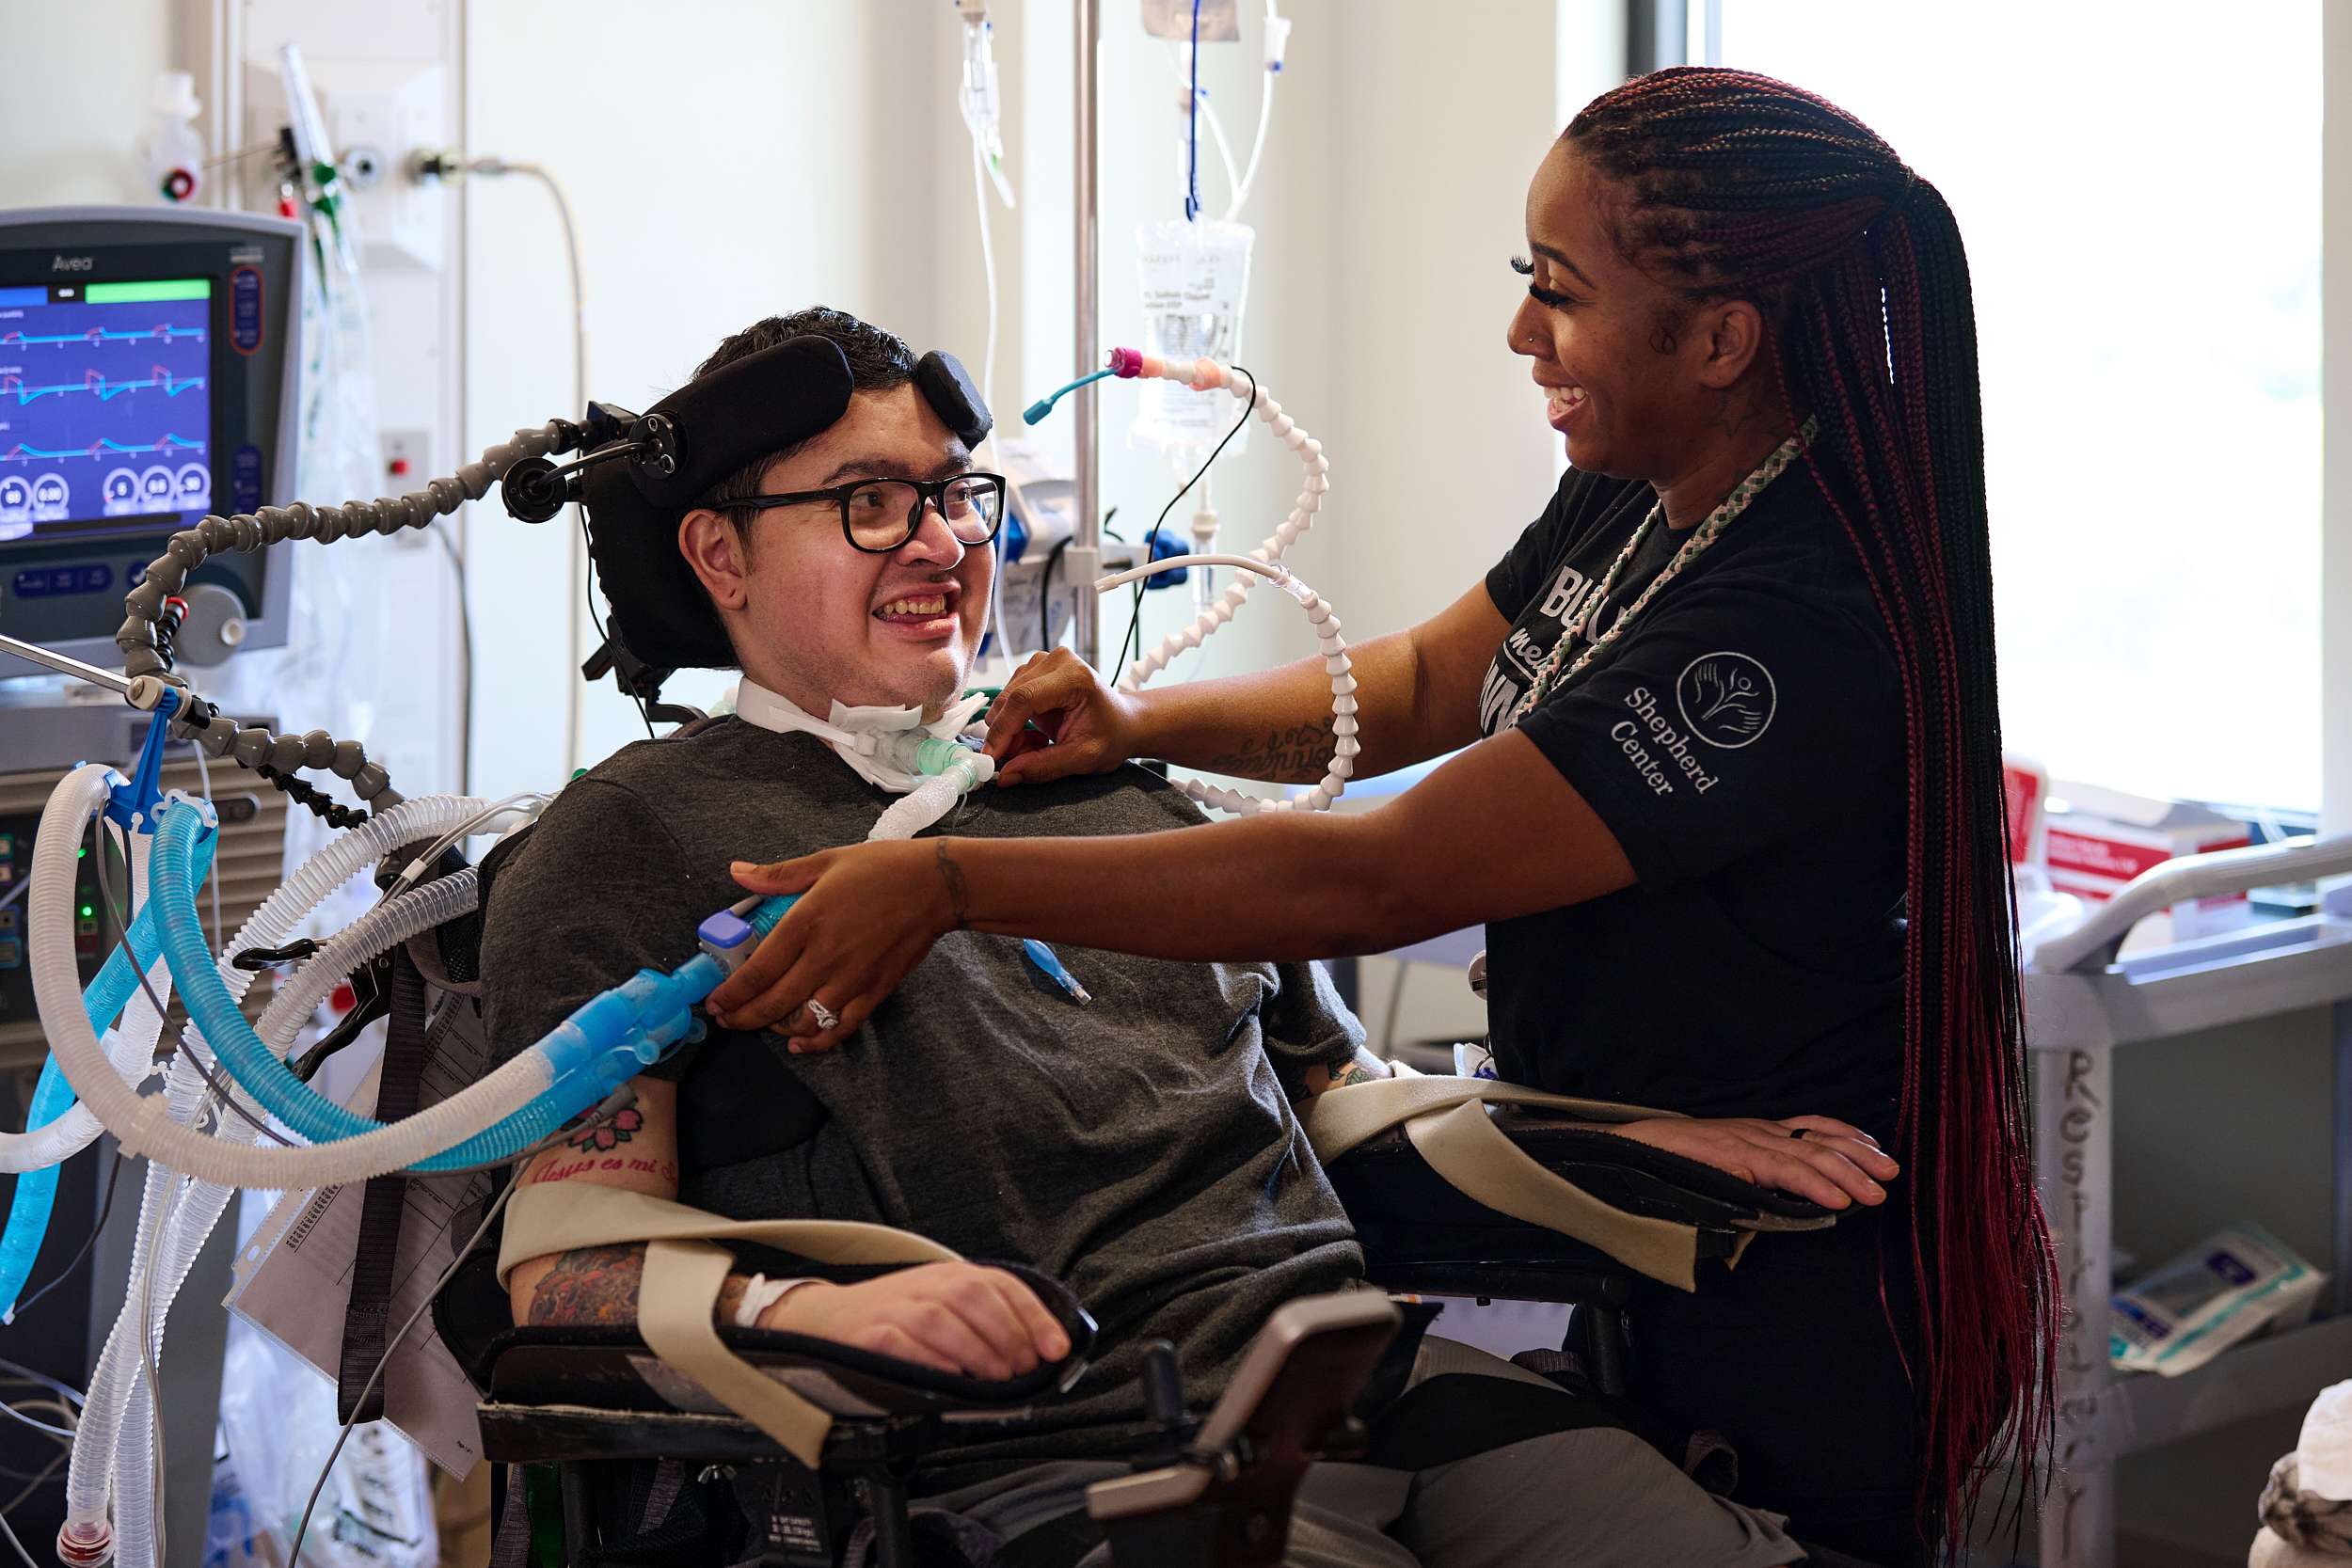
761 404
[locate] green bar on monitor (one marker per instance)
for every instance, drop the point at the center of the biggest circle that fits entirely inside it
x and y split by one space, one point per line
143 294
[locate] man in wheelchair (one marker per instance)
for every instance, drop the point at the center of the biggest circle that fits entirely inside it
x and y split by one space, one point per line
1128 1126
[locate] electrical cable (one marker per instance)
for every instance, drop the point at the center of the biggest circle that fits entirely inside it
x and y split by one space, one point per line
65 1433
106 1206
1134 621
465 684
588 596
121 913
16 1372
9 1530
575 564
1045 596
457 1260
32 1486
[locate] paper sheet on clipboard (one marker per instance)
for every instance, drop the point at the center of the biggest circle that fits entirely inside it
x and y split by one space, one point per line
293 1281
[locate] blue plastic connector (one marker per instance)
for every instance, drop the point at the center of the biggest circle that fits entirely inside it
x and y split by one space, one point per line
132 804
728 937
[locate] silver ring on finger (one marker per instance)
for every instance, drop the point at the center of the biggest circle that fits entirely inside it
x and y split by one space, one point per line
826 1018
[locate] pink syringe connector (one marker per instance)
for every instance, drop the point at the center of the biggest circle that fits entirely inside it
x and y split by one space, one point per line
1129 363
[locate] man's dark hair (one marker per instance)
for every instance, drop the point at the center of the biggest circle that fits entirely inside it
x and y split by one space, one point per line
877 360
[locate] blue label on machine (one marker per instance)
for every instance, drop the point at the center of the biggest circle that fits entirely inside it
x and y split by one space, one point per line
244 478
244 309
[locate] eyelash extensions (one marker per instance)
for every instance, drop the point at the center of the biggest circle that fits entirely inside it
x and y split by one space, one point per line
1549 298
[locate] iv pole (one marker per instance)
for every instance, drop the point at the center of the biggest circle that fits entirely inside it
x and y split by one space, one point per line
1084 557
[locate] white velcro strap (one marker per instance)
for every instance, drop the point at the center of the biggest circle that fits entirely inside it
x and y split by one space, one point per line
673 1313
563 1216
1446 1119
678 1295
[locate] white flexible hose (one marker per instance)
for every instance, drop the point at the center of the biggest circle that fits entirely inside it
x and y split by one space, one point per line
143 1127
411 913
131 1047
1335 664
106 1436
1266 561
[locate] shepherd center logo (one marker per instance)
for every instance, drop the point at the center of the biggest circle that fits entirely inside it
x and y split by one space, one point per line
1726 698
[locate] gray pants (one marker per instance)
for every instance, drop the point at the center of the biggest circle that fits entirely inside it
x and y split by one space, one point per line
1594 1498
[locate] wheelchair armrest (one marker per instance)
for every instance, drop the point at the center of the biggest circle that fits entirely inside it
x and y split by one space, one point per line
1420 1233
1622 1172
613 1368
1644 1179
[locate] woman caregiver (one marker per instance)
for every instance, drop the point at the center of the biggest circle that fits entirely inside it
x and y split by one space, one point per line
1735 826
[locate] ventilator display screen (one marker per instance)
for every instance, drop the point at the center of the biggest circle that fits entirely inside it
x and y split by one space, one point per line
105 407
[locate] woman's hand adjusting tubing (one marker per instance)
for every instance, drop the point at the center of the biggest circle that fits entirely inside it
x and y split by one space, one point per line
1057 716
818 982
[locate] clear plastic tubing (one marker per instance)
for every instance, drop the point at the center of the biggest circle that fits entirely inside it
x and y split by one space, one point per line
394 921
492 1120
56 1127
595 1039
87 1537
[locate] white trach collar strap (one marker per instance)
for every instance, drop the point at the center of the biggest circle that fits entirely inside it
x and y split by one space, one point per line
861 735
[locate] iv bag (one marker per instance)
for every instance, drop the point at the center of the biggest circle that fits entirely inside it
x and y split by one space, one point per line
1195 282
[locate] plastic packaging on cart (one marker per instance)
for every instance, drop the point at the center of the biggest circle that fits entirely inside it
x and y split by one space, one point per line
2220 1292
2103 838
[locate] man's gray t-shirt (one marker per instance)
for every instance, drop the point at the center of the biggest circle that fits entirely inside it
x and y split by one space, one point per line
1142 1148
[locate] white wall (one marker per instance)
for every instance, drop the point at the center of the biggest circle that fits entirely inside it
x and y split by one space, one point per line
737 161
80 78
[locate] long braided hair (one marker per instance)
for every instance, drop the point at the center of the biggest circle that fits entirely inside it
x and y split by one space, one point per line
1734 184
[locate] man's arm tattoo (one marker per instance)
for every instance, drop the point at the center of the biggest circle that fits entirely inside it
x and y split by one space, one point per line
597 1286
594 1285
1296 754
603 1136
959 896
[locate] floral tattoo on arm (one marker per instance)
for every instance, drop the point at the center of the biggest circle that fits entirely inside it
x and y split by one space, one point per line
597 1137
590 1285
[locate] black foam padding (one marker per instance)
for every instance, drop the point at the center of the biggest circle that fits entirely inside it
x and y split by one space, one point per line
949 389
736 414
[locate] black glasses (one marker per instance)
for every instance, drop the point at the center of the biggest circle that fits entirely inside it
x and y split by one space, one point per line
879 515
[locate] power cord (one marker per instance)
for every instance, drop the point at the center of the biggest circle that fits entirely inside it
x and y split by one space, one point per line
457 1260
1134 621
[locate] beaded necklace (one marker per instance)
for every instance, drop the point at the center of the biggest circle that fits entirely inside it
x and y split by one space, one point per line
1549 677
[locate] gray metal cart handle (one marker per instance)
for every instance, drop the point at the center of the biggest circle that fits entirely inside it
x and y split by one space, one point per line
2222 873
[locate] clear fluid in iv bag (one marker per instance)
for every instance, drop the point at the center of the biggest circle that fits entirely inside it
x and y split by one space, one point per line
1195 286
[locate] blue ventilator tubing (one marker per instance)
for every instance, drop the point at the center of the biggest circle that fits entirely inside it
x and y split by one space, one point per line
36 1193
730 936
602 1045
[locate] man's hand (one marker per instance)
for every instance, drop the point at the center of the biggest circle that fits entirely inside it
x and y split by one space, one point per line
867 914
1057 716
1834 1164
950 1317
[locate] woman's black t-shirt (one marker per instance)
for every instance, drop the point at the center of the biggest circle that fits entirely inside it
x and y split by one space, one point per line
1744 740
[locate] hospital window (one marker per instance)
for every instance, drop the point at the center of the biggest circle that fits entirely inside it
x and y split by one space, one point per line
2138 187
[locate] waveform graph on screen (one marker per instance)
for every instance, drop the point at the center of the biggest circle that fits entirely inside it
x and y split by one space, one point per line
105 407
